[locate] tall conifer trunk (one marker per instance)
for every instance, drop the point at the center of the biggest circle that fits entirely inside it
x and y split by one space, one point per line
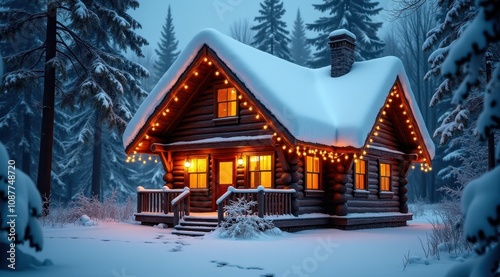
47 132
97 159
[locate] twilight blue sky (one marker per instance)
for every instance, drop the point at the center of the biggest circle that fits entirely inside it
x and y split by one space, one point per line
191 16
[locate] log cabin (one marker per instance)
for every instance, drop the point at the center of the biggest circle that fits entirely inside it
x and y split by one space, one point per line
330 146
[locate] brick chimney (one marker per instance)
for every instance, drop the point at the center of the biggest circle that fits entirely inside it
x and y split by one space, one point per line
342 43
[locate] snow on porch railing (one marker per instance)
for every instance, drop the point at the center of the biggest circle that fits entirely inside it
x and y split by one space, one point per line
269 201
156 200
181 205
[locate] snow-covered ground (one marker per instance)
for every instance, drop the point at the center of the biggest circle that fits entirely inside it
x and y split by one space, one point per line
132 250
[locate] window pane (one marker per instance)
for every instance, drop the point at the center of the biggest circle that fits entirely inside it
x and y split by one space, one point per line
202 180
265 179
254 180
232 94
315 184
221 95
254 163
309 165
202 165
222 110
193 181
316 164
192 168
231 108
265 162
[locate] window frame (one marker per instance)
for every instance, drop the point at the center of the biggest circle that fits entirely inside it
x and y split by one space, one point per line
187 179
318 173
233 119
380 163
385 194
361 192
248 171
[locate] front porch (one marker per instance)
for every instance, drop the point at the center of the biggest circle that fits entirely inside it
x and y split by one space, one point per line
172 207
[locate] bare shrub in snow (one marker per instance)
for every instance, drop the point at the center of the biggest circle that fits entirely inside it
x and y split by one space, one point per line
241 222
110 209
419 207
447 231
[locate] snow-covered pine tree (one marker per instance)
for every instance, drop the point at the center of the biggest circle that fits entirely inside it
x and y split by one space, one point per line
299 48
20 110
271 35
353 15
167 47
23 216
70 50
480 201
452 17
77 168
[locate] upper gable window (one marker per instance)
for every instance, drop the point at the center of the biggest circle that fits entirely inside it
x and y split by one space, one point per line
227 102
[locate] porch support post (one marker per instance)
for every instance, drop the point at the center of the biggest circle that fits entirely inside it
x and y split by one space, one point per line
261 201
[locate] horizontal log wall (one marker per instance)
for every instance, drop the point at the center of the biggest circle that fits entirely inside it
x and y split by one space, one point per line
197 124
386 134
374 202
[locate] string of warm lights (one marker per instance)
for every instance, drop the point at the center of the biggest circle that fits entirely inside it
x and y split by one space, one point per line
155 124
394 95
332 156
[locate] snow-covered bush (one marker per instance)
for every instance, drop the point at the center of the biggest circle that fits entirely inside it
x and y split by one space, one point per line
86 221
241 222
20 206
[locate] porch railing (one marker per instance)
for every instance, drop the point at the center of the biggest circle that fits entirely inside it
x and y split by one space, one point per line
181 205
269 201
156 200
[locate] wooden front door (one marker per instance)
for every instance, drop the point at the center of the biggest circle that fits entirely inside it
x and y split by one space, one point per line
224 176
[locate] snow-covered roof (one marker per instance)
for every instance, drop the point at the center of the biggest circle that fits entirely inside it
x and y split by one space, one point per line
312 105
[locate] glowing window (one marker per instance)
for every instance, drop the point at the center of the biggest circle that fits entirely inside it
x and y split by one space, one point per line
312 172
360 175
226 102
198 173
260 171
385 176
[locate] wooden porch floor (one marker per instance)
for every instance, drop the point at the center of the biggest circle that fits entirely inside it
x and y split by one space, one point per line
302 222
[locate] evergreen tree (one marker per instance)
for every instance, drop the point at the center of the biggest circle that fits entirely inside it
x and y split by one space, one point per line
451 17
78 46
299 48
19 110
167 47
353 15
271 34
465 60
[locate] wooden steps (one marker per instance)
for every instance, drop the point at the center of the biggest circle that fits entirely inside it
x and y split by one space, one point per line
195 226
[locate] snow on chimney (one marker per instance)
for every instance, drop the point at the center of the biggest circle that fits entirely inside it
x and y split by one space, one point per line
342 43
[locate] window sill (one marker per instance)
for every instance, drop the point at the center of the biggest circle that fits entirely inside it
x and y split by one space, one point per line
225 120
361 193
385 194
